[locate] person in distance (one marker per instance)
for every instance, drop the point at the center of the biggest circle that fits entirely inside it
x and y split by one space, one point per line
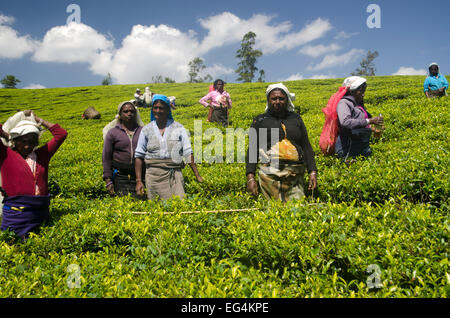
435 85
219 103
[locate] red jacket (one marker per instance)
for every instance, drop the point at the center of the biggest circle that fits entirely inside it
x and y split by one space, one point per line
17 178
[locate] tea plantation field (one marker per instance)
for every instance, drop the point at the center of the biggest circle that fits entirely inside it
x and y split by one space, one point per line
378 228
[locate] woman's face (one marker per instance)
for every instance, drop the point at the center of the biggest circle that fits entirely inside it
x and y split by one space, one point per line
127 113
219 86
434 70
24 145
160 111
359 94
277 101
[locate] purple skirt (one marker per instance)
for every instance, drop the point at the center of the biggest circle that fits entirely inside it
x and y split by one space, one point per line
24 213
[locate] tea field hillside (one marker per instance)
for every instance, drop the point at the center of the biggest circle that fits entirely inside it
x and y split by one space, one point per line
378 228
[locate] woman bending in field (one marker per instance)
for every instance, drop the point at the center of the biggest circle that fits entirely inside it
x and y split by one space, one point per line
354 121
120 140
280 148
161 147
24 172
219 102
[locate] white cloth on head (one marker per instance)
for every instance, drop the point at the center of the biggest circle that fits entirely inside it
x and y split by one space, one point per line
434 63
116 121
24 127
291 96
353 82
12 122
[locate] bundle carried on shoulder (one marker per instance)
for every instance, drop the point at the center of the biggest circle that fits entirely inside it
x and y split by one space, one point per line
330 128
91 113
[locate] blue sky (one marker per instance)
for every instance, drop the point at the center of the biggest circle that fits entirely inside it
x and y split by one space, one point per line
136 40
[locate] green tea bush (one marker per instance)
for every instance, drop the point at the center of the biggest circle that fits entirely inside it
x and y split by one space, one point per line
389 211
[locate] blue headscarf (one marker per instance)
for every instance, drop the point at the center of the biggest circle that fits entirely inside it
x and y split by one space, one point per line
163 99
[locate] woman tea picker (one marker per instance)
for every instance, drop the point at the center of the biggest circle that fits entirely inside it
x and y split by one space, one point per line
279 146
120 140
354 121
161 147
24 172
219 103
435 85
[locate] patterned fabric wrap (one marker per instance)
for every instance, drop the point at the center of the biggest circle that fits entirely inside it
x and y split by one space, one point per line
25 213
285 182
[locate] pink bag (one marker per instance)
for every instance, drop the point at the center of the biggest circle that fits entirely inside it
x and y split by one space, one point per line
330 129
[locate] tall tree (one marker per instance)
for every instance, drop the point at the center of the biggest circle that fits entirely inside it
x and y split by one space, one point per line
196 66
248 58
367 65
107 80
10 81
262 76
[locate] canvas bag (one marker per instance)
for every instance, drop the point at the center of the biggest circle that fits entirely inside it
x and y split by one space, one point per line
330 128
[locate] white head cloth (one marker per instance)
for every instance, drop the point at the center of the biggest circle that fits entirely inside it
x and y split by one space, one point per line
434 63
291 96
12 122
115 122
353 82
23 128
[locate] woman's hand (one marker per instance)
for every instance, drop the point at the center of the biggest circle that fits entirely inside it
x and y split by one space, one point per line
252 186
110 187
28 113
376 120
139 187
312 180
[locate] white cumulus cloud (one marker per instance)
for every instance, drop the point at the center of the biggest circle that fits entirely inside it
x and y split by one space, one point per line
342 35
318 50
149 51
227 28
12 45
332 60
294 77
410 71
74 42
323 76
298 76
34 86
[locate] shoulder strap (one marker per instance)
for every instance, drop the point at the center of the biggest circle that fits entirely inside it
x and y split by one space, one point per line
350 100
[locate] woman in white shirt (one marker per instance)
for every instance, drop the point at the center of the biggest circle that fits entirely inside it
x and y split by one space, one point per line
162 145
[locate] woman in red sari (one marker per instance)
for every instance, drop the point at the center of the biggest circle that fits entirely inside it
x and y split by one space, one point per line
24 171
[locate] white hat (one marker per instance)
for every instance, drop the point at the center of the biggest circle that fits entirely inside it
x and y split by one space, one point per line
353 82
23 128
291 96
